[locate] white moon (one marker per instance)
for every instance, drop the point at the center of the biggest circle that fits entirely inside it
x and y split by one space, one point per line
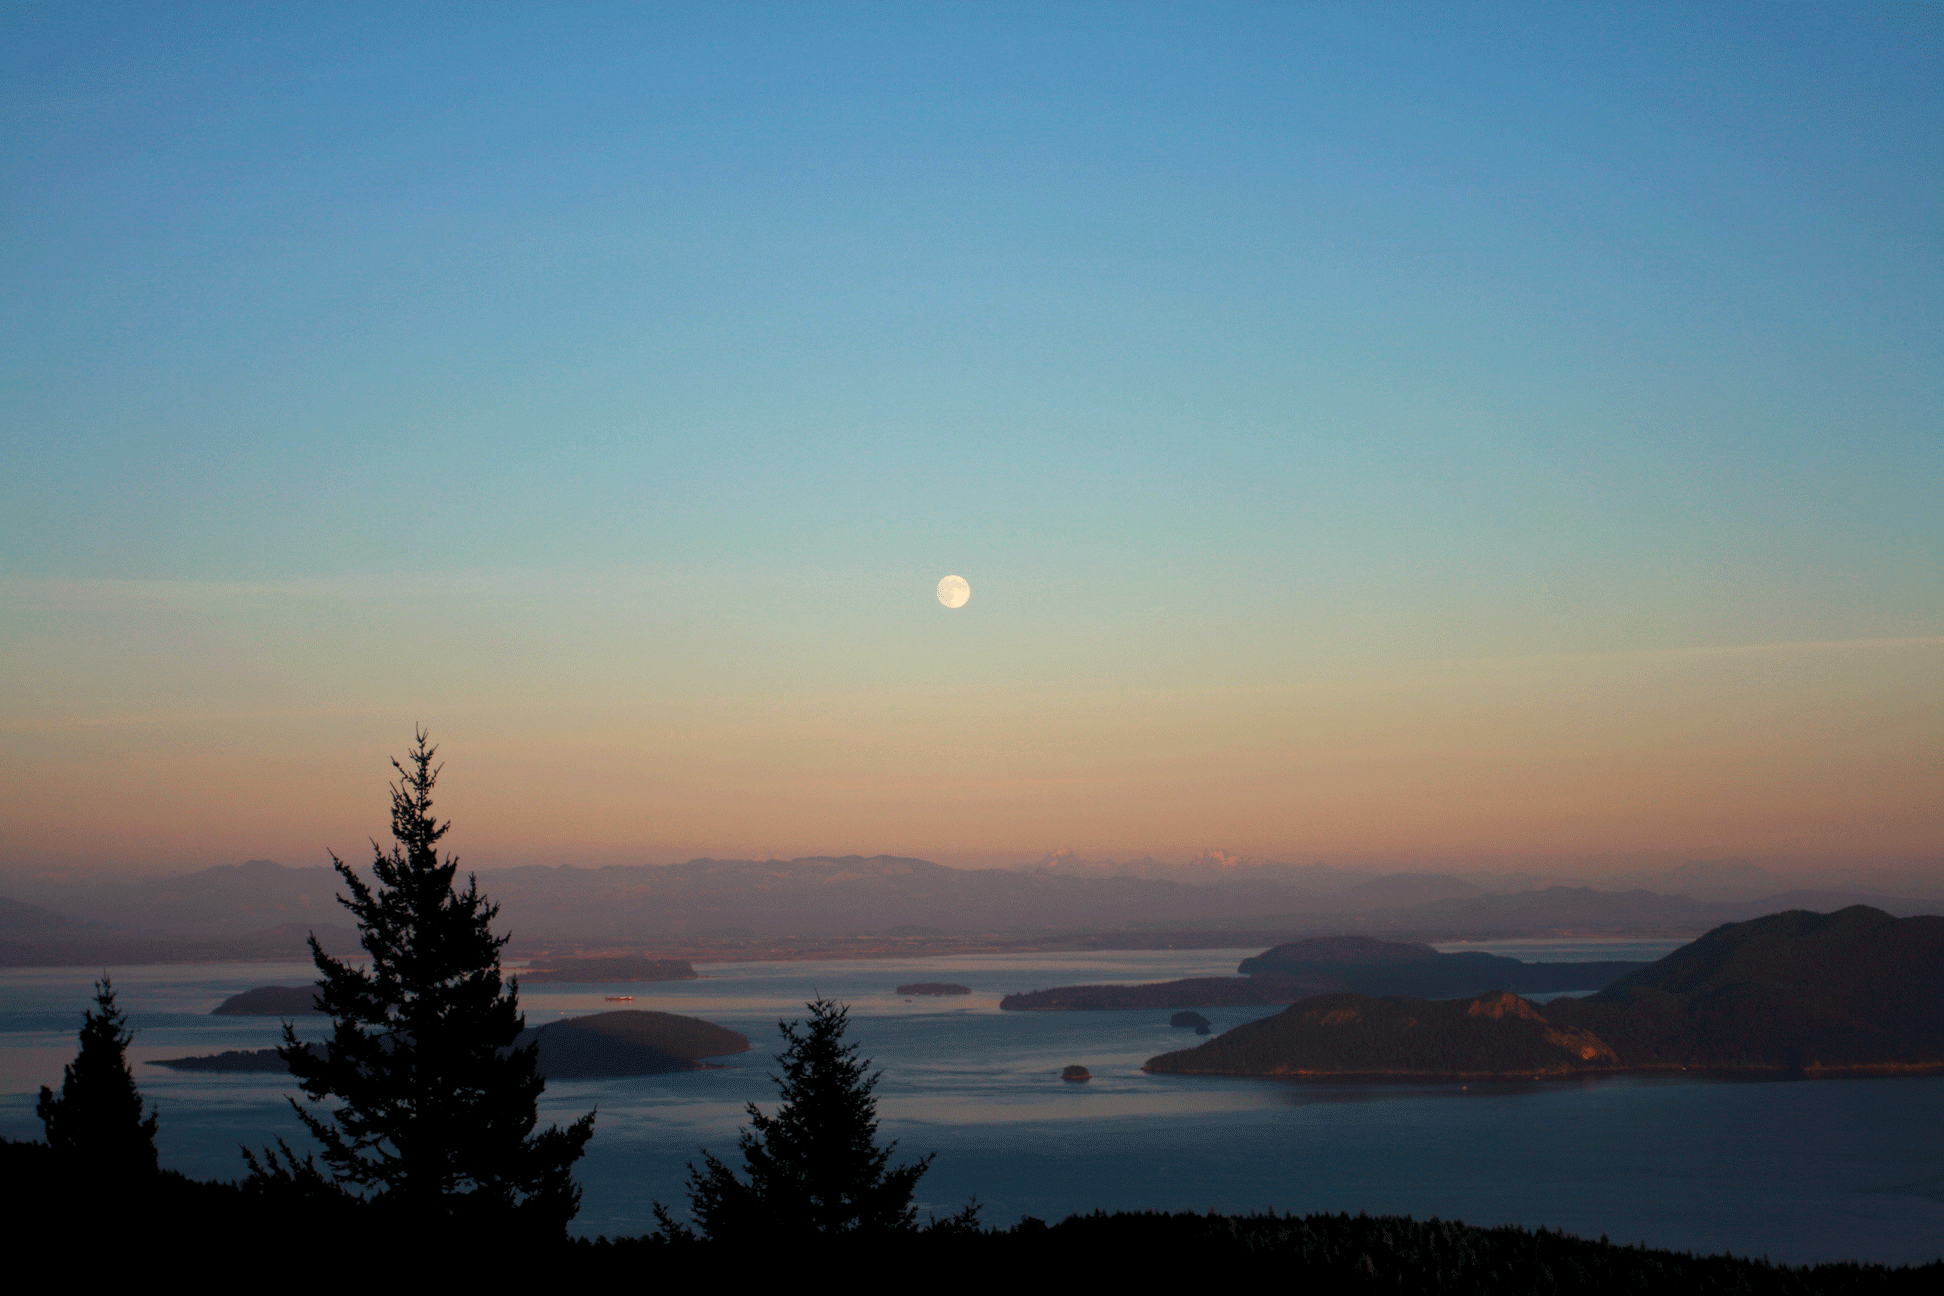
953 591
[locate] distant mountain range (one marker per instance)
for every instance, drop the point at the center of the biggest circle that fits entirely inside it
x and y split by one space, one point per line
1718 879
31 936
264 904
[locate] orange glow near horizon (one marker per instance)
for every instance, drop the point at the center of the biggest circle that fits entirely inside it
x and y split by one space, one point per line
1815 749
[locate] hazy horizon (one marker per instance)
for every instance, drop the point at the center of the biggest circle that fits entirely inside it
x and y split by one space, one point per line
1913 875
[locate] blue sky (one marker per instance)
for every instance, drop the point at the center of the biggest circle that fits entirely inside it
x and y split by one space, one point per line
678 351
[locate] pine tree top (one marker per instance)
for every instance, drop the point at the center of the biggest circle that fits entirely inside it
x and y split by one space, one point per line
436 1110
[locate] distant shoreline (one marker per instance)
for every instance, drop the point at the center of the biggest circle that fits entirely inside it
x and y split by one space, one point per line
1874 1071
130 950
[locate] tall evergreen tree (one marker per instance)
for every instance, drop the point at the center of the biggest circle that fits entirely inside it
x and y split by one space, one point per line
436 1112
815 1168
96 1120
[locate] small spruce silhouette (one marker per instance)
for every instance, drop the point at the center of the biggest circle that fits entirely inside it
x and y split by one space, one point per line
96 1120
815 1168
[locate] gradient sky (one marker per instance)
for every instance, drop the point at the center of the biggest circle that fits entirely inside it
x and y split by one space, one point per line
1370 432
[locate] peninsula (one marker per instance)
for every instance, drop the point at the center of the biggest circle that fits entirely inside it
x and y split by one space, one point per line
1295 971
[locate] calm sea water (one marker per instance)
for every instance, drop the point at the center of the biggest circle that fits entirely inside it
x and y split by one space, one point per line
1797 1170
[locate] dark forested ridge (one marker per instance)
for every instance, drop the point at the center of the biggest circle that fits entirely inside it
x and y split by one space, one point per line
1798 991
1322 1253
1856 990
169 1220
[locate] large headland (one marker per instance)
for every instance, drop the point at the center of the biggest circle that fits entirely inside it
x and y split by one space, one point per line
1853 992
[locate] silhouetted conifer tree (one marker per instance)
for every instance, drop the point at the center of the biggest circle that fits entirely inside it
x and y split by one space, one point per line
814 1169
436 1112
96 1121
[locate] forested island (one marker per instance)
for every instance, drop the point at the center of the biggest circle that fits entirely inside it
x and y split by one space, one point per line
624 1043
1301 969
270 1001
1849 992
933 988
629 1042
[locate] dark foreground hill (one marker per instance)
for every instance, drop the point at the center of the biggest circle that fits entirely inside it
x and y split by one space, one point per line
1854 991
168 1221
1136 1250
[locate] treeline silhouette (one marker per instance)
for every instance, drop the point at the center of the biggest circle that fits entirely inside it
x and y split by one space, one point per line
432 1162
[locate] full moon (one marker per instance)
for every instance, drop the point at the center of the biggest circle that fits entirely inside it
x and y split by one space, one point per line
953 591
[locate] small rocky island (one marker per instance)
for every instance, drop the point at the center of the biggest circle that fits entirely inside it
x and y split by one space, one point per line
933 988
1076 1074
1851 992
1195 1019
270 1001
